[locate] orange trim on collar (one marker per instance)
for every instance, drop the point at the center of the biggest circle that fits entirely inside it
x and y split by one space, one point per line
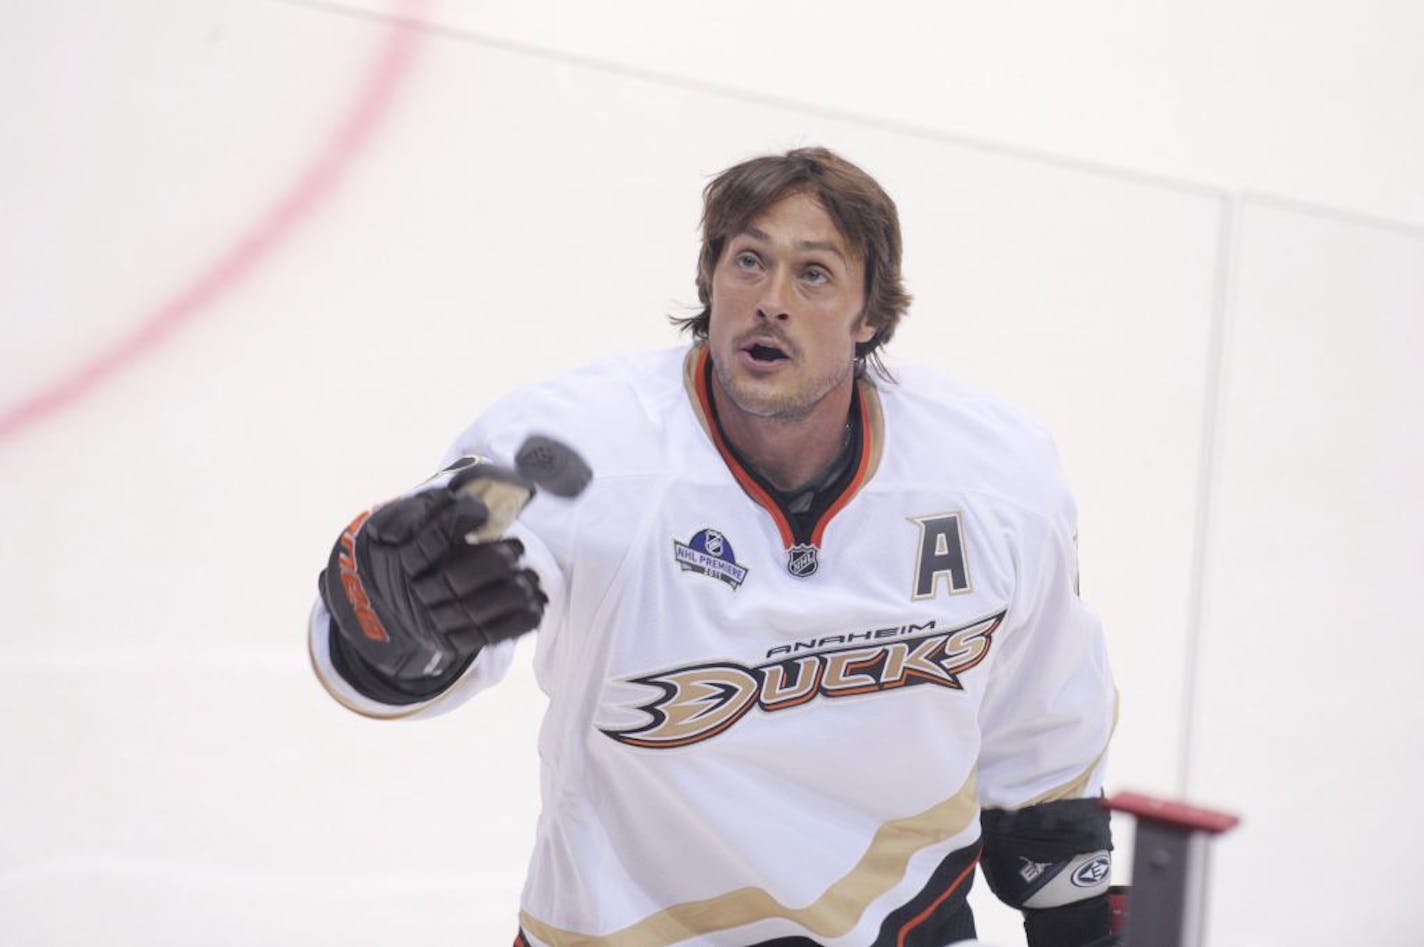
852 488
739 472
871 435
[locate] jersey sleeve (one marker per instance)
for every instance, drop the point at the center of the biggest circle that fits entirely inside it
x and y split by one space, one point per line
1050 706
496 441
1045 722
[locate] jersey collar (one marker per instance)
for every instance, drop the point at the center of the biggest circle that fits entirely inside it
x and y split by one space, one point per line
801 534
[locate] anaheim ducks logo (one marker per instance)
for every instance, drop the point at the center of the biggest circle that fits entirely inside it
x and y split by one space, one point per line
697 702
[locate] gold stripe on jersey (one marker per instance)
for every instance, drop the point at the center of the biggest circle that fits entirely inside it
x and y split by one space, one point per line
834 914
1078 785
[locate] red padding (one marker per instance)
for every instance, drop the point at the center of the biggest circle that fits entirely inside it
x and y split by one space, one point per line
1168 812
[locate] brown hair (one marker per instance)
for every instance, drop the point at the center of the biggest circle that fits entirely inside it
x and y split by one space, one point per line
860 208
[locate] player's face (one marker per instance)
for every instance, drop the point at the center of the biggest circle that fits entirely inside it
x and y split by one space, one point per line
787 299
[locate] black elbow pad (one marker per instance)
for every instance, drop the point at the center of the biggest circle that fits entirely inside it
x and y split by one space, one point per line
1049 855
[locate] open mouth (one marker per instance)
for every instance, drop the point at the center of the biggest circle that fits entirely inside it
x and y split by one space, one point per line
762 352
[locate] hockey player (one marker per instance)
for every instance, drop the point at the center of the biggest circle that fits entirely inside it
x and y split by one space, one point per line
811 636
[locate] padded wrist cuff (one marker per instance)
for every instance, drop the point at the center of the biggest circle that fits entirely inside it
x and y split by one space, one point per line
371 683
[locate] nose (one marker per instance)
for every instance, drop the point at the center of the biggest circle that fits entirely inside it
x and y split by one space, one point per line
772 304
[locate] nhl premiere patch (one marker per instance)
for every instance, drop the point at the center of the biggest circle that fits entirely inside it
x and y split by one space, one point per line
709 553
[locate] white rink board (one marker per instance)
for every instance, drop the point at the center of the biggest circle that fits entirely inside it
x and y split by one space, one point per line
1309 686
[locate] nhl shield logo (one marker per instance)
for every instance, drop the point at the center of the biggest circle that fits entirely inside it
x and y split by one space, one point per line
802 560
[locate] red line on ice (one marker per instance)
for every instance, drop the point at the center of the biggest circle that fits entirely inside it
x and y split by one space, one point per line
315 184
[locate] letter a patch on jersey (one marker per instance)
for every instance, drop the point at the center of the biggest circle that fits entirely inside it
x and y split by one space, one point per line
941 555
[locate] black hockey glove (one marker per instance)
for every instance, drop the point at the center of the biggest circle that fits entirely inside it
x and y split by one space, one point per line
413 600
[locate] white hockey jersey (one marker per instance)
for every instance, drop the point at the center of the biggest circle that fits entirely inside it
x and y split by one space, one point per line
761 731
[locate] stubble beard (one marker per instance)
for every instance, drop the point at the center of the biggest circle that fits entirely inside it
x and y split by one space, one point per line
784 406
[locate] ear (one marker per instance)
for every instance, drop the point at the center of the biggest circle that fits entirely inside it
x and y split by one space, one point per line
865 331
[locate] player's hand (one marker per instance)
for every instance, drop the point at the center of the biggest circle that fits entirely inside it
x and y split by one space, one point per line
413 598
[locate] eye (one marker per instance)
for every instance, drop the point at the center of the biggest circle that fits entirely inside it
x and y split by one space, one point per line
746 260
816 275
